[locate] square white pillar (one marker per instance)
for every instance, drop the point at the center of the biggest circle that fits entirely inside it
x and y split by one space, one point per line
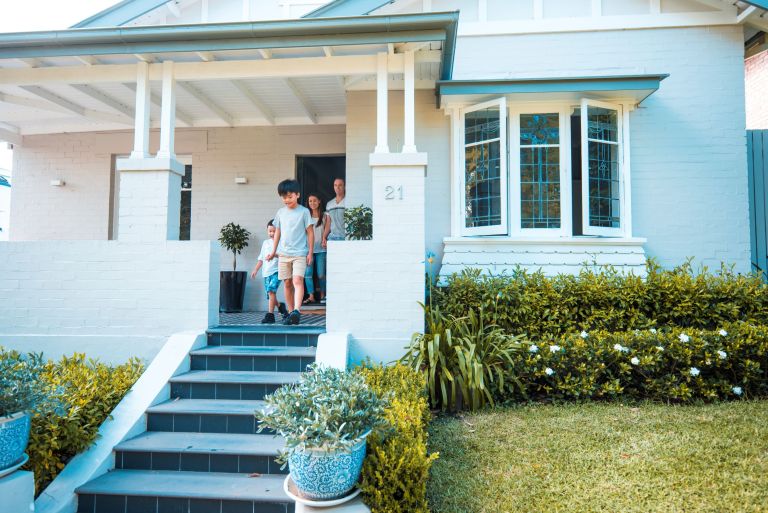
17 491
150 199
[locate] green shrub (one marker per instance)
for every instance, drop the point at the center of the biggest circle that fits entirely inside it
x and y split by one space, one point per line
465 359
678 364
92 390
548 307
395 472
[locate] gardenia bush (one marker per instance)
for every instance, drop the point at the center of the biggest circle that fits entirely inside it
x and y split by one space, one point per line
677 364
542 307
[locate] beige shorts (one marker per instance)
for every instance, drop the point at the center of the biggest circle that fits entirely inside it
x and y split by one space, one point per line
288 266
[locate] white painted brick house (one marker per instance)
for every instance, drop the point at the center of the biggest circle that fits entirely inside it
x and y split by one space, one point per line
493 133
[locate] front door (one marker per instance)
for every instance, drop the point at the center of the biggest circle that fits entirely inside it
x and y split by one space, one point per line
317 173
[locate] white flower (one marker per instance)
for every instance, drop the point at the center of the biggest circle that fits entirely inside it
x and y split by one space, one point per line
554 349
723 333
533 348
694 371
620 348
660 348
737 390
635 360
722 354
684 338
709 362
652 330
548 371
583 334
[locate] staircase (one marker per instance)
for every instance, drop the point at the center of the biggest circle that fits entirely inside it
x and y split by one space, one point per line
201 453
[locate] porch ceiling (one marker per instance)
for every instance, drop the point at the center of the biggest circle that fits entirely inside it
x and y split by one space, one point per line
57 82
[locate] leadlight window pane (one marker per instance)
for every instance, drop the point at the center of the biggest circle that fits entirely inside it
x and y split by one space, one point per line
482 168
603 124
604 184
540 171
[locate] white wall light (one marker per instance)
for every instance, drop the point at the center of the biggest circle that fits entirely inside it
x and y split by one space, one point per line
58 183
241 180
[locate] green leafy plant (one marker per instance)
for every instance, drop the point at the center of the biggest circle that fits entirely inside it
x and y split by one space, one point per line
543 308
234 238
396 470
465 359
359 223
327 408
63 429
22 387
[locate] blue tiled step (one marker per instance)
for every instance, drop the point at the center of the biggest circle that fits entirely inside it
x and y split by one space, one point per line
253 358
204 416
249 385
296 336
153 491
201 452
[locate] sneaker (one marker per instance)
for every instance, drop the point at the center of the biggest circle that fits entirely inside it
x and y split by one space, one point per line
288 319
269 318
322 301
294 318
282 309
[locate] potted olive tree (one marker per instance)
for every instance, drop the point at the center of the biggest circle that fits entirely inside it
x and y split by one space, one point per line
23 392
325 419
234 238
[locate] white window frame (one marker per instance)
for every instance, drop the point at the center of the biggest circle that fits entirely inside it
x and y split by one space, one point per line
566 219
585 140
503 227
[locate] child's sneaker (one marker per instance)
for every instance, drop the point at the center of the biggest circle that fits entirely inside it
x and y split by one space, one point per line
282 309
294 318
269 318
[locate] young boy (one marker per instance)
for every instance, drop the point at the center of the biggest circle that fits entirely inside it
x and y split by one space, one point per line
271 281
294 235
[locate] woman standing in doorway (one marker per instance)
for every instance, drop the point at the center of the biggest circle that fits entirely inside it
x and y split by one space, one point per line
321 222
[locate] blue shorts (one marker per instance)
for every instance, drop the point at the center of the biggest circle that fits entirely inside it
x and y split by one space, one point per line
271 283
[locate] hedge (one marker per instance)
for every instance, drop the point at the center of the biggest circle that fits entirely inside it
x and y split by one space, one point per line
543 307
92 390
395 471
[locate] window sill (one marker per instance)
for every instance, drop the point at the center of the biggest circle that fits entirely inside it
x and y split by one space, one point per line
554 241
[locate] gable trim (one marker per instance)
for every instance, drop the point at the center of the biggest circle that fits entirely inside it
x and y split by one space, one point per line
120 14
347 8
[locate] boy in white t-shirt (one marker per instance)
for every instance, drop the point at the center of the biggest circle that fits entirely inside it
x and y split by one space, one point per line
271 281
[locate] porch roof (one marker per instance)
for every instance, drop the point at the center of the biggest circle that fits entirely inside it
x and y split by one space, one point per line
228 74
625 87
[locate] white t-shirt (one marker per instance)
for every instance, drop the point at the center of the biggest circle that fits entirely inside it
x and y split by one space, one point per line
293 224
336 211
270 266
319 233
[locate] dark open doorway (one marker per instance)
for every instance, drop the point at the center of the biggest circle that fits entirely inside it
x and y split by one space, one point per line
316 174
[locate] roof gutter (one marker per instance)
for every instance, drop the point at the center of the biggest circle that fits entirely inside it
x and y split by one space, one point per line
406 28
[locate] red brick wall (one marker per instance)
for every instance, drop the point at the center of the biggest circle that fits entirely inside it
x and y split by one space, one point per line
757 91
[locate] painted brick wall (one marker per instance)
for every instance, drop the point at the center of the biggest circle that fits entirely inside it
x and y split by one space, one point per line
107 287
756 75
688 146
432 137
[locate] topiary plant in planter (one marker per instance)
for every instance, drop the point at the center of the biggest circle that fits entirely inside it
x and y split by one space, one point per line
234 238
325 418
23 393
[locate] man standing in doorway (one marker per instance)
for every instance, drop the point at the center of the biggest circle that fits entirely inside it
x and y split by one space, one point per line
336 229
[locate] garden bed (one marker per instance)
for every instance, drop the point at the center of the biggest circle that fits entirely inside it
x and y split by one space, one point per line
602 457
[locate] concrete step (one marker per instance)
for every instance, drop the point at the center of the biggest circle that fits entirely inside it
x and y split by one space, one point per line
253 358
205 416
247 385
155 491
201 452
294 336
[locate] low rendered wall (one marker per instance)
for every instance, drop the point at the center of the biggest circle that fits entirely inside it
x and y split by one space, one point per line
108 299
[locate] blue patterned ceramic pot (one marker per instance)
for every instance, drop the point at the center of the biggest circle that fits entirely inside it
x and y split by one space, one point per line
324 475
14 435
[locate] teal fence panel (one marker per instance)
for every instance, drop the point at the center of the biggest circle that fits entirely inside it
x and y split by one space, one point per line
757 165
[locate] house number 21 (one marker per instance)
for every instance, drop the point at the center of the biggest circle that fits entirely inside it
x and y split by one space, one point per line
392 192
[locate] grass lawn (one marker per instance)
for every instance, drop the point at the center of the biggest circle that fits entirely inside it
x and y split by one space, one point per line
602 457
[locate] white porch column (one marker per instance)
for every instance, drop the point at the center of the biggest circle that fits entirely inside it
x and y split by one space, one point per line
168 113
150 187
382 108
141 125
382 317
409 131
